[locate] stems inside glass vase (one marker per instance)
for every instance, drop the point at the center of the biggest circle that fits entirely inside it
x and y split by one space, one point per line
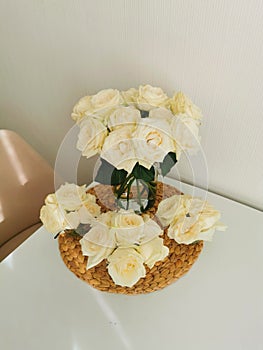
135 192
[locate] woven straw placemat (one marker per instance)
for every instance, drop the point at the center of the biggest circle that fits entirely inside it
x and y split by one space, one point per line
180 259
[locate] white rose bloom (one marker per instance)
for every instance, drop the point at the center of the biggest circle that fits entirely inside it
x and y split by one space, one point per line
152 141
96 253
83 106
82 206
181 104
169 208
124 116
91 137
118 149
209 219
185 230
197 220
184 130
72 220
55 215
153 251
51 200
90 198
105 100
126 267
151 230
88 212
102 235
193 205
161 113
71 196
107 218
150 97
52 219
128 228
130 96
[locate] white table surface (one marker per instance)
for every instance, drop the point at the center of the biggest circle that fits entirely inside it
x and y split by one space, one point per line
217 305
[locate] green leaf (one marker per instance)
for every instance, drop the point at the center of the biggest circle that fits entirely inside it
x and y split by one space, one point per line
140 172
118 176
104 173
168 162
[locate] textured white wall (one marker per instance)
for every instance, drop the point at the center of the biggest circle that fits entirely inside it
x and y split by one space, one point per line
54 51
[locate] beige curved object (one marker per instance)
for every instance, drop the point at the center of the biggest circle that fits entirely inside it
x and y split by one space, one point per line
25 180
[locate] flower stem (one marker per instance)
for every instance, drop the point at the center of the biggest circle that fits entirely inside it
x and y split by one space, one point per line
139 195
123 186
128 193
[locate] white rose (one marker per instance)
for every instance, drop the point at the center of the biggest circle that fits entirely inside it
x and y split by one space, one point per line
124 116
88 212
209 222
71 196
184 130
150 97
152 141
128 228
55 215
126 267
207 235
51 200
118 149
107 218
181 104
169 208
184 230
153 251
151 230
52 219
91 137
161 113
192 205
74 218
105 100
83 106
198 220
176 231
96 253
102 235
130 96
90 198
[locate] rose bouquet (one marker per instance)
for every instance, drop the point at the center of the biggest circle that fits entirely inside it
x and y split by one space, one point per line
139 134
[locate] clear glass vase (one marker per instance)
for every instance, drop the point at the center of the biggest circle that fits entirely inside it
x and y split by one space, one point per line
136 193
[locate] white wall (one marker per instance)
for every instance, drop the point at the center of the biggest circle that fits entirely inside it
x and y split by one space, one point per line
55 51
